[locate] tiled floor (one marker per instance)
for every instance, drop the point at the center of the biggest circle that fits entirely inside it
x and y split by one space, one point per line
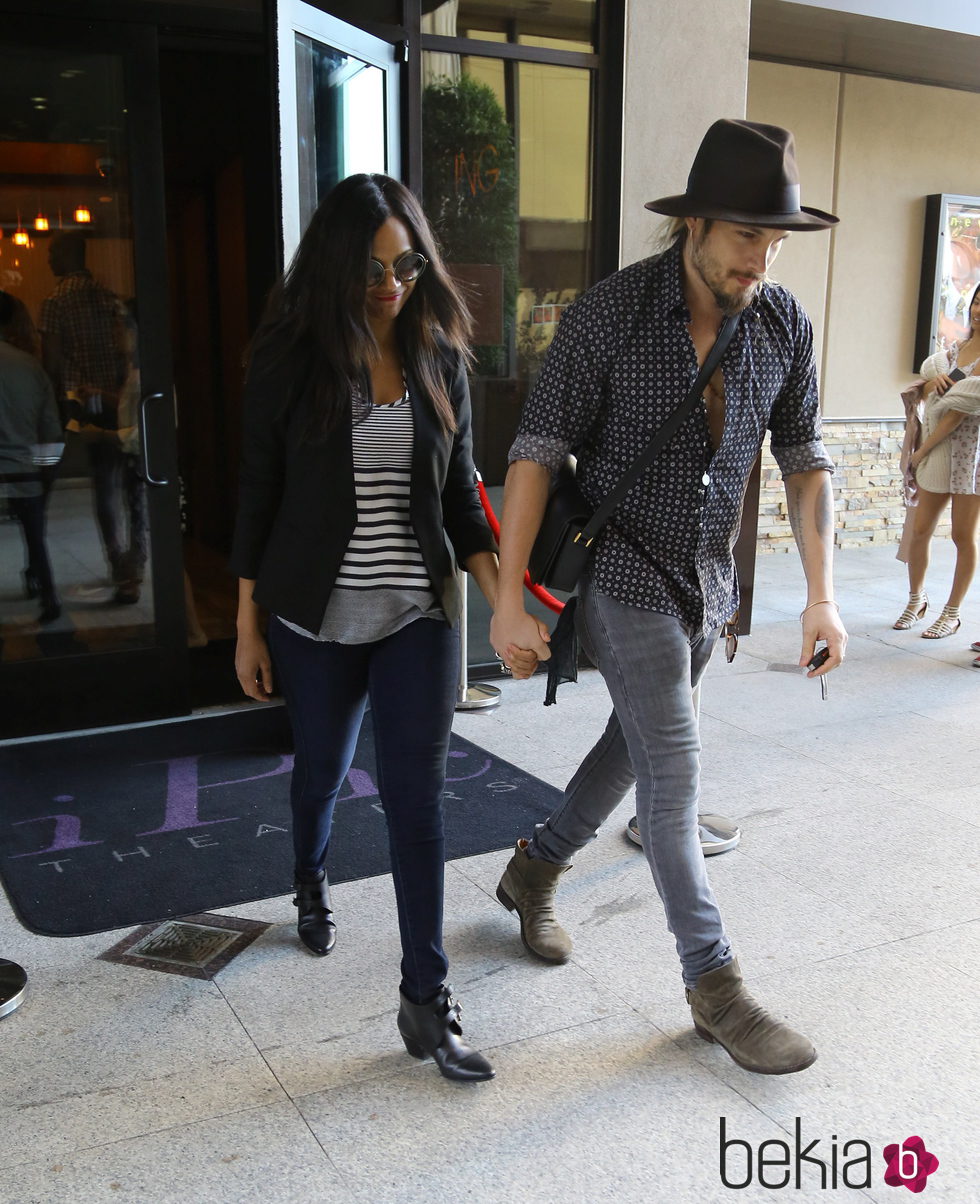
852 900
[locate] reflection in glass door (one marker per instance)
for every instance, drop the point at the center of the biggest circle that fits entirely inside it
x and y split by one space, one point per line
91 607
338 109
340 115
74 562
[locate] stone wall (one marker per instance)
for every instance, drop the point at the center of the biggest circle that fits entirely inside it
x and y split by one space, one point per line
867 487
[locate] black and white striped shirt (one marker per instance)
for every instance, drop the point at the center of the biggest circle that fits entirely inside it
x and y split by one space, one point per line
383 551
382 583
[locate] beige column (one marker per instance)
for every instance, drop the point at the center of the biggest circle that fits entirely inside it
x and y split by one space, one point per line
686 66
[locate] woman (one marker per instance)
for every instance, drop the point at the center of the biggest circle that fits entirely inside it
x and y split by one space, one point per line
356 469
31 440
947 465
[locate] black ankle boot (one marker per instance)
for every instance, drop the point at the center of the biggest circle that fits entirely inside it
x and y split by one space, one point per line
315 923
433 1030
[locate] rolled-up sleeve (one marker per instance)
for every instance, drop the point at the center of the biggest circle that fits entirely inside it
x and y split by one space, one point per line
934 365
795 426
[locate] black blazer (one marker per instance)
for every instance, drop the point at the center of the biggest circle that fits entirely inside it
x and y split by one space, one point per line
297 508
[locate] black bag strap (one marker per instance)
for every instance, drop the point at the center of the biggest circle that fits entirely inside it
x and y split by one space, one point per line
663 435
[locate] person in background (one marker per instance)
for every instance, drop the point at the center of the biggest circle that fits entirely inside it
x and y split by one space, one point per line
357 499
88 345
946 467
661 584
29 420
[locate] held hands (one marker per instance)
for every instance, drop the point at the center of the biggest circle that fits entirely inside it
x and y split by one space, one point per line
520 641
521 662
821 621
253 666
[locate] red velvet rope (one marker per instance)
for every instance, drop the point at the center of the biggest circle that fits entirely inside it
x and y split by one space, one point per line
538 591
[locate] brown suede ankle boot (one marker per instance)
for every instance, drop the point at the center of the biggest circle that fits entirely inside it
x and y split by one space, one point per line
725 1012
528 887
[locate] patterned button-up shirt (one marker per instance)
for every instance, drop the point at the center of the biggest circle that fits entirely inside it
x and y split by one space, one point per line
91 323
621 361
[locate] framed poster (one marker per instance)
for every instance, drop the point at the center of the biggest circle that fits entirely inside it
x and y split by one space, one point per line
950 272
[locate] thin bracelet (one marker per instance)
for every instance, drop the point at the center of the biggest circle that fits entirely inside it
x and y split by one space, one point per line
824 602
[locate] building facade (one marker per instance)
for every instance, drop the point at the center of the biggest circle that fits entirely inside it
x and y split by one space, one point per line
184 145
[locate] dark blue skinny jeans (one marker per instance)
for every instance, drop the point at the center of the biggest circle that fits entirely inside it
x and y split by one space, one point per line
410 680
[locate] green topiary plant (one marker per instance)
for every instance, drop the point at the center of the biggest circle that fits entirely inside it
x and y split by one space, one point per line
470 187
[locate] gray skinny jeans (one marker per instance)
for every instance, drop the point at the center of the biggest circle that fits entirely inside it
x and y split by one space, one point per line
651 663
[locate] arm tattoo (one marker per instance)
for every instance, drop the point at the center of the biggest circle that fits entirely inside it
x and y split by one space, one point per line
793 498
823 513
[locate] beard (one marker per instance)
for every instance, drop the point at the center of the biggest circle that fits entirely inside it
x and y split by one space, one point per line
715 278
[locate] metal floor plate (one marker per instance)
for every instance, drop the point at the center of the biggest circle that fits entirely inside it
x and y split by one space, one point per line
196 946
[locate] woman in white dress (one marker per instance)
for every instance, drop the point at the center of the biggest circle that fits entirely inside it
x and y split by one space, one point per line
947 468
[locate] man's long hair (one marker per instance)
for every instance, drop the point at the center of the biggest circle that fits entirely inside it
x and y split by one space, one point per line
667 234
317 310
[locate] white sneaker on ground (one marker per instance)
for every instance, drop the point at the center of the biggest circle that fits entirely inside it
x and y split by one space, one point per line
718 834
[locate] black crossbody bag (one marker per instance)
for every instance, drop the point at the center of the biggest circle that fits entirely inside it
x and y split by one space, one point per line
564 540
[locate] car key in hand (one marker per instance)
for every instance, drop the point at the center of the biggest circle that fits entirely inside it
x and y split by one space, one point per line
819 658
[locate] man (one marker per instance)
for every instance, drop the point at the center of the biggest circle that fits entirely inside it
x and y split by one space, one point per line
87 341
661 582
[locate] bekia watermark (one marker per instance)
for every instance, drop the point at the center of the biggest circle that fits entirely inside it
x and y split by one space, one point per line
909 1164
828 1164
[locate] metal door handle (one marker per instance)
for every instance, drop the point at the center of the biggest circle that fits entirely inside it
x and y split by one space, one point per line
144 441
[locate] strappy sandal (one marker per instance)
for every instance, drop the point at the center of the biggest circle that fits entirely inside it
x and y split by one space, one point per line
948 623
910 616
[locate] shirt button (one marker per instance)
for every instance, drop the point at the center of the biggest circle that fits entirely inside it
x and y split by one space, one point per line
706 479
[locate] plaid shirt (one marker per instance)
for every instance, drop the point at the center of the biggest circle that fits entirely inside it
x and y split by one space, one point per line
621 361
89 320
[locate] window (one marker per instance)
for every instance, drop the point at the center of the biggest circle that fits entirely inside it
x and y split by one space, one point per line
508 103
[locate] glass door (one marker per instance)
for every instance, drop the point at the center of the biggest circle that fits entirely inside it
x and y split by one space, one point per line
338 109
91 591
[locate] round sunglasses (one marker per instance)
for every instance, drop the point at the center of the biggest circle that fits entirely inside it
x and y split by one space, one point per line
406 268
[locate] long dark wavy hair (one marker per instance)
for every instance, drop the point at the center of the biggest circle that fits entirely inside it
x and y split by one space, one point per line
17 326
317 309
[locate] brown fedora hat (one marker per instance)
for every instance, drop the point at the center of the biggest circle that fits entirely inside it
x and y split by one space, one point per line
745 172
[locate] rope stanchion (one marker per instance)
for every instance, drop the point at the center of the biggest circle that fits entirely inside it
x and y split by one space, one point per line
469 698
538 591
